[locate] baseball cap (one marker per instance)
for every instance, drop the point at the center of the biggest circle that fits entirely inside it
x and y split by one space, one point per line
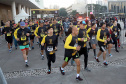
83 22
22 23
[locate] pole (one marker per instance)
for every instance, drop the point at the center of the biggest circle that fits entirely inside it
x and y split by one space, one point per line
87 10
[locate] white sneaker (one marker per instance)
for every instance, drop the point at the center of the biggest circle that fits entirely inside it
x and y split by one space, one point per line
29 48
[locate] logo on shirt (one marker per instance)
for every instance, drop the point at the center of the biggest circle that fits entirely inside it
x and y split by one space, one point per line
50 41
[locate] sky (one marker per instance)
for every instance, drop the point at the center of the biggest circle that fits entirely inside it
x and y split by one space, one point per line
62 3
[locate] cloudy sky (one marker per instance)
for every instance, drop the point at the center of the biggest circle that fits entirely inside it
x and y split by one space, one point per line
63 3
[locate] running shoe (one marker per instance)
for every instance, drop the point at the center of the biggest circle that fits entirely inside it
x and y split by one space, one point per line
97 60
26 65
117 50
10 50
105 63
87 69
110 55
42 56
32 47
62 71
49 72
29 48
79 78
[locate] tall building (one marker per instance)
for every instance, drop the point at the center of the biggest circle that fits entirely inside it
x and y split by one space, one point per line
10 8
117 6
41 3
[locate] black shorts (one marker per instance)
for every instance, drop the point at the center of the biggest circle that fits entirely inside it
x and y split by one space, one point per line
102 47
84 51
68 57
32 37
51 58
42 47
9 39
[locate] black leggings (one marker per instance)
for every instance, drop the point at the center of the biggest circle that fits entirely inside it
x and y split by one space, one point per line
115 42
84 51
50 58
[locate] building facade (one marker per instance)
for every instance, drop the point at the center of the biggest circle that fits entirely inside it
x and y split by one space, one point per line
79 7
117 6
10 8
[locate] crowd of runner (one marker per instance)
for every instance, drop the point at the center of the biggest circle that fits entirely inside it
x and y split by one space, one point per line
76 34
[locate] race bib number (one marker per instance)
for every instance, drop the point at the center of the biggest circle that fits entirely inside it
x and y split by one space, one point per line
50 48
23 38
8 34
93 37
42 35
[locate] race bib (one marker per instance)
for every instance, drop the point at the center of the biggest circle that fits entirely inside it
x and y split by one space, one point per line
8 34
75 45
42 35
93 37
23 38
49 48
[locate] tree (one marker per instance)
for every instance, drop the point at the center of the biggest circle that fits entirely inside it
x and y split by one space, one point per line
62 12
74 12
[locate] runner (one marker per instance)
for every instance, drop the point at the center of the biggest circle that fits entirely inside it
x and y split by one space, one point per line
115 34
50 41
87 27
21 35
15 41
46 25
8 35
32 29
40 33
36 25
56 28
82 41
92 34
71 51
102 41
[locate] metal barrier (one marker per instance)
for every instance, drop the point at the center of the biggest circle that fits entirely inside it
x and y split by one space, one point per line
123 38
2 78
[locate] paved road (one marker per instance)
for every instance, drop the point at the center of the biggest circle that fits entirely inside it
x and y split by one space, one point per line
15 71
